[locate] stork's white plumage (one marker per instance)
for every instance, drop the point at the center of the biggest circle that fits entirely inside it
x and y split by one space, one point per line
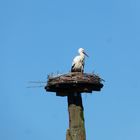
79 61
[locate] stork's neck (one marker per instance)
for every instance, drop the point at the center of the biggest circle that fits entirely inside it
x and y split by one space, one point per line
82 55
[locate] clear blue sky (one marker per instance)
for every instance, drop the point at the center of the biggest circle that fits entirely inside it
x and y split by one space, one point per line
38 37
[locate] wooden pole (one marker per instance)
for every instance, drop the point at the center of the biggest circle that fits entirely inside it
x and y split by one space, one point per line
76 129
73 85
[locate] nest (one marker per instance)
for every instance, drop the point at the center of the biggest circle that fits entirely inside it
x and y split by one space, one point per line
75 82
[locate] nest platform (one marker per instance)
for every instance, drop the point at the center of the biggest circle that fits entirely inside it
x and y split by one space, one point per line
74 82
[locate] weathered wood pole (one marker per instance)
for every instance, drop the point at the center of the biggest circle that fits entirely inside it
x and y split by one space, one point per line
73 85
76 129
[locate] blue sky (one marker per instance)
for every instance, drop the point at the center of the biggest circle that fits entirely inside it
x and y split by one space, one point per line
41 37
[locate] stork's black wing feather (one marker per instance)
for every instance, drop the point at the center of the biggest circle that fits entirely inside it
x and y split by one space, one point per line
72 68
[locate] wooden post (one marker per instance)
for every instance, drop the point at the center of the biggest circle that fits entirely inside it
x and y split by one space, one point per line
73 85
76 129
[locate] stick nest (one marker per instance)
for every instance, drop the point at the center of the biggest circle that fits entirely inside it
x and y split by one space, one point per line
74 82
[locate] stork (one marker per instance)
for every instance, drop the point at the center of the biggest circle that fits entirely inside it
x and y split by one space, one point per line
79 61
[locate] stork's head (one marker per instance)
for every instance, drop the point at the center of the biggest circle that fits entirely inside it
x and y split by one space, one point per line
81 51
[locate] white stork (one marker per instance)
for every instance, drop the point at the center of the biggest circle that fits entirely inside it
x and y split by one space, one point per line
79 61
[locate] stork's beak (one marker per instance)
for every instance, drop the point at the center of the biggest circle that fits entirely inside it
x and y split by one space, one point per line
86 54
